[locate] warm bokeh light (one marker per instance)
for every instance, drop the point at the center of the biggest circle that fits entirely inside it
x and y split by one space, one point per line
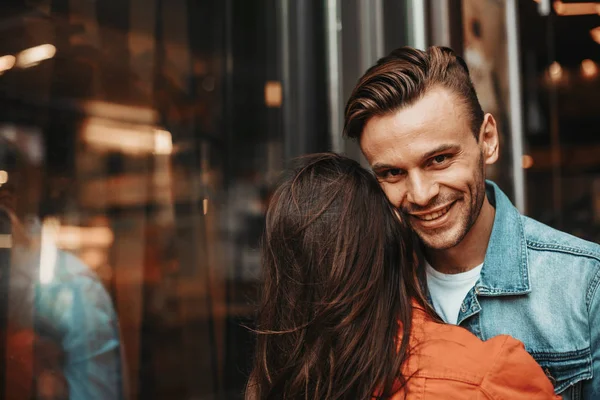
595 33
589 68
273 94
76 237
48 252
555 71
571 9
3 177
6 63
163 142
121 112
35 55
205 206
526 161
107 135
94 258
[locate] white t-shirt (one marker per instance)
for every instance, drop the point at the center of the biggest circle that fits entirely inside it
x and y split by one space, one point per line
449 290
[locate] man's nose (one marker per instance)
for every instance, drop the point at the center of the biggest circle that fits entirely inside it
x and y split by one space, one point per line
421 189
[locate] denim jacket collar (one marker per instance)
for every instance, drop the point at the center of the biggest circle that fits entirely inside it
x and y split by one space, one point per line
505 270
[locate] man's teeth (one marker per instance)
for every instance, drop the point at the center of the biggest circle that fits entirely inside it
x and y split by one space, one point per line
429 217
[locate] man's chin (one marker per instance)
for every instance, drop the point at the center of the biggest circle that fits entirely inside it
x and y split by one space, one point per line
440 241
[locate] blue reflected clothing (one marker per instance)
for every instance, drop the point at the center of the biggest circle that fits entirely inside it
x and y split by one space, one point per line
541 286
75 310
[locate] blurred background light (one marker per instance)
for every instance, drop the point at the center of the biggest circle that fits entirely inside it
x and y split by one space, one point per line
589 68
273 94
570 9
121 112
596 34
527 161
106 135
163 142
76 237
556 72
48 251
6 63
35 55
94 258
3 177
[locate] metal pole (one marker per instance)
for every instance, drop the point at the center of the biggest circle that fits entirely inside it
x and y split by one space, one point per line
333 26
554 132
418 16
440 27
516 114
284 51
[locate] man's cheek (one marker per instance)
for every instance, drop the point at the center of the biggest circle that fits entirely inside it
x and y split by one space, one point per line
393 194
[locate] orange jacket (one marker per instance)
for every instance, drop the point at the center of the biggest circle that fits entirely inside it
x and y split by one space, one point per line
448 362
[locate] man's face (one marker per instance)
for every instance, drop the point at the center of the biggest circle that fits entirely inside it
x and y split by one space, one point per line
431 166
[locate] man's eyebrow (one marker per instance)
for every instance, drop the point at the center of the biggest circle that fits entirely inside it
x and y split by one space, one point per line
440 149
380 166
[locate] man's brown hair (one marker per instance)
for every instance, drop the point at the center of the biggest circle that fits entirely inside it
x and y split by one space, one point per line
403 77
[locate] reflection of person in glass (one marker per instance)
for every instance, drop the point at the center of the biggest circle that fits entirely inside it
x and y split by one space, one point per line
62 335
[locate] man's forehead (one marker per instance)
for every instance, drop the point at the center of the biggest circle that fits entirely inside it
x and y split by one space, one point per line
439 118
438 106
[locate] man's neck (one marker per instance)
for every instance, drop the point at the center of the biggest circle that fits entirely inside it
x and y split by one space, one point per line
470 252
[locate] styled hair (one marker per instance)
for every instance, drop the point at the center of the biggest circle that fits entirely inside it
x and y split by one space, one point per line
340 271
403 77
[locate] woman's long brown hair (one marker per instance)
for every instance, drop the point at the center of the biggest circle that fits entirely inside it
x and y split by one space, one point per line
339 274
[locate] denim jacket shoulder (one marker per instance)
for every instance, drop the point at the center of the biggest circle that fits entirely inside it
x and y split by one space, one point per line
558 254
541 237
520 247
541 286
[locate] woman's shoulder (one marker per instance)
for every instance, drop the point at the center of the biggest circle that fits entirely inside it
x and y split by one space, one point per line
448 350
450 356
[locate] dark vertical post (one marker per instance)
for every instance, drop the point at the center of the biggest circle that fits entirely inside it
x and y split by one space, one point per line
305 97
5 229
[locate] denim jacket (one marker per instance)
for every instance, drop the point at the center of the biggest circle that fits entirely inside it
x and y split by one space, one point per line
73 311
541 286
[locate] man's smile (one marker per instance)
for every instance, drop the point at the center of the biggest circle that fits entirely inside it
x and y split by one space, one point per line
433 214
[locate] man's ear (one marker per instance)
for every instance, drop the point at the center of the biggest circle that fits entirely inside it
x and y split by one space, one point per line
488 139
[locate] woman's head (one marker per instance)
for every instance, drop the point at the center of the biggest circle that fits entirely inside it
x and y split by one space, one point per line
340 272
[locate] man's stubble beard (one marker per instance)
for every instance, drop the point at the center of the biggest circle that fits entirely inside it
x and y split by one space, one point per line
477 200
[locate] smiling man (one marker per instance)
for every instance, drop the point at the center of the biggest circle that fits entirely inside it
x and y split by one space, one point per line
420 126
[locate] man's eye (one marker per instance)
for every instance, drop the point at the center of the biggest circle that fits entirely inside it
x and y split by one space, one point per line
439 159
393 173
390 175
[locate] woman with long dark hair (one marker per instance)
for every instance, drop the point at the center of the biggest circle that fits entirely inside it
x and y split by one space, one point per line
343 315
